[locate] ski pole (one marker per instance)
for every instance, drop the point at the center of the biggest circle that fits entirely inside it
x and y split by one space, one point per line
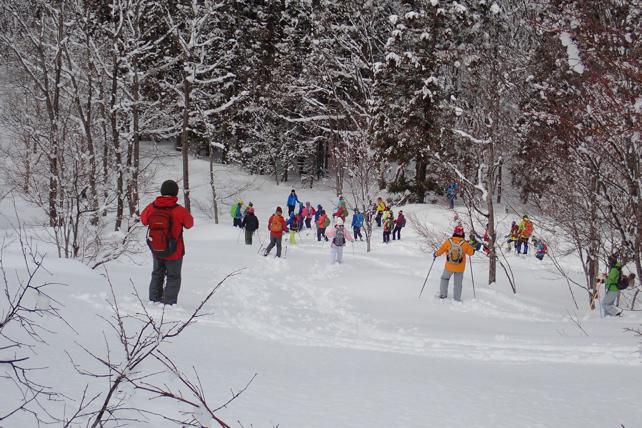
426 280
472 277
238 236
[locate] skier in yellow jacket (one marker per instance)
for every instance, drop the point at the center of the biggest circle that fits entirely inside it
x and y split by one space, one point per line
456 249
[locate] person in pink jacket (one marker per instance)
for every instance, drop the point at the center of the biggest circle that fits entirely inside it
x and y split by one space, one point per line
308 213
338 238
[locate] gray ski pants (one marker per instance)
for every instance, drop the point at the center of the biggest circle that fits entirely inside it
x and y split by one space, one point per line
274 240
608 303
445 278
170 269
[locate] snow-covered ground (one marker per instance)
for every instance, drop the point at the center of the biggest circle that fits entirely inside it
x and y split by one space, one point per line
351 345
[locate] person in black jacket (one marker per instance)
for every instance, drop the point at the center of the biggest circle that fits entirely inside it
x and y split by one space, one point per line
250 223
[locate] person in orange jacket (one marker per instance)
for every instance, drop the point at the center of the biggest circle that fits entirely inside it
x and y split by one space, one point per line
322 223
456 249
276 226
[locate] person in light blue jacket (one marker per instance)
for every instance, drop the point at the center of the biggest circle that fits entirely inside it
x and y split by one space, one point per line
357 224
293 199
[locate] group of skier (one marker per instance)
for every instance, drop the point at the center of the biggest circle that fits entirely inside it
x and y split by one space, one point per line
166 220
302 218
517 240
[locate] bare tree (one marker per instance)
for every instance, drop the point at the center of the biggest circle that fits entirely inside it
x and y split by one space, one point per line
201 60
141 338
25 307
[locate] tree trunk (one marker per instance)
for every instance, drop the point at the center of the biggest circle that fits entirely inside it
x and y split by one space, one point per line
499 180
185 143
593 263
420 179
214 201
133 160
115 136
105 138
490 180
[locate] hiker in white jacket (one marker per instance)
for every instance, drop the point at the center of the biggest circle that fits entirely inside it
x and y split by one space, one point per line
338 238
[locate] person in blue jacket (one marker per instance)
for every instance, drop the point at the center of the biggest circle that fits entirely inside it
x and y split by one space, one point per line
293 199
451 194
357 224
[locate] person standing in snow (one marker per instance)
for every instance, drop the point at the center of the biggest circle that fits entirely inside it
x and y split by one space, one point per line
236 211
308 212
251 224
388 225
276 226
322 223
513 237
473 240
380 208
250 205
613 282
541 249
400 222
451 194
342 211
525 231
338 237
456 249
165 210
293 199
293 224
357 224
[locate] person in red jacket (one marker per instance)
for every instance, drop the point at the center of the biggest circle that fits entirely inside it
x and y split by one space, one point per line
400 222
276 226
169 266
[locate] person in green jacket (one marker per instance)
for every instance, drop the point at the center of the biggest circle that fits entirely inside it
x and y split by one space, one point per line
236 212
612 290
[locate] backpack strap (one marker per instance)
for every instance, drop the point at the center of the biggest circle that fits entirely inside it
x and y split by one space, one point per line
164 208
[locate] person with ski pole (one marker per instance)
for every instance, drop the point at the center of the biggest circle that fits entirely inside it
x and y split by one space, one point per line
251 224
427 275
276 226
456 249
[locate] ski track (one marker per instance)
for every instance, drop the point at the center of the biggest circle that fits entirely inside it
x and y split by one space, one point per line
311 313
303 300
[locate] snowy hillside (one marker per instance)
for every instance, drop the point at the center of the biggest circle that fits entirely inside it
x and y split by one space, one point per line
350 345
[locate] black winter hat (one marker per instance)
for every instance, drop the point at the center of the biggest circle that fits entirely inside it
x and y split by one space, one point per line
169 188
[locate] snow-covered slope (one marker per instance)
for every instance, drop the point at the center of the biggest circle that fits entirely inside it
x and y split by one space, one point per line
351 345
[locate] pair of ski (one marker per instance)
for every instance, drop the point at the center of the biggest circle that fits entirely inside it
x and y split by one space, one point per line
284 256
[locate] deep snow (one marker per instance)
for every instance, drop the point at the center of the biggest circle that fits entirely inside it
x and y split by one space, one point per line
351 345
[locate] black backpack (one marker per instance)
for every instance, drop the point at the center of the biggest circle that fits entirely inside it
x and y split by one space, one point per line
623 282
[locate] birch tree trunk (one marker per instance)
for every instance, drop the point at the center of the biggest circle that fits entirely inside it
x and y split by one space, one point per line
185 142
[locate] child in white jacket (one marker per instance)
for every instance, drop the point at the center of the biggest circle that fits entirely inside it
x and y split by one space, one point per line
338 238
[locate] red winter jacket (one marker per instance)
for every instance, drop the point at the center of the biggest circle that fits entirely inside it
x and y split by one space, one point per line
279 225
308 212
181 218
